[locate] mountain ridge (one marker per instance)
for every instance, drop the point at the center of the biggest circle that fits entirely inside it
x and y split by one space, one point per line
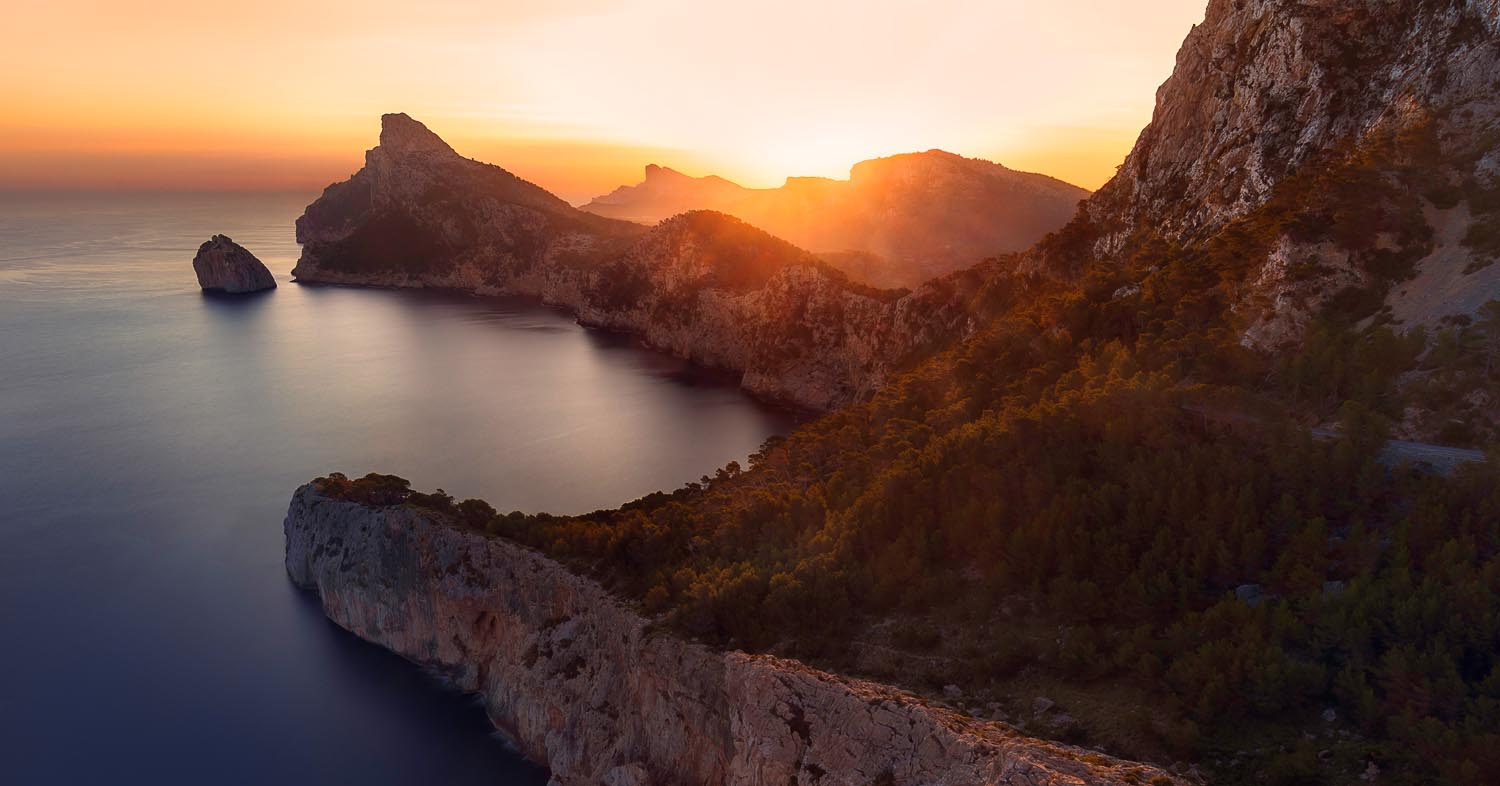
897 221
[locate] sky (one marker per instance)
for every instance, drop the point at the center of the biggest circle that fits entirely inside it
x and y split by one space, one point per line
577 95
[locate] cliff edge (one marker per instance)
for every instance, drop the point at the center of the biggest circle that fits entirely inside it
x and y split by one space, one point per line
581 682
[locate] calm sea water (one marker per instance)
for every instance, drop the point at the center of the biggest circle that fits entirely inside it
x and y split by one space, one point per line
151 436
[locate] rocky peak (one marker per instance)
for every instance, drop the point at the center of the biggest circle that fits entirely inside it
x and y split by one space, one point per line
413 171
657 173
401 135
1262 87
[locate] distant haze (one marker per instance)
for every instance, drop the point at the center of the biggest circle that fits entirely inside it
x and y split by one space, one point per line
575 95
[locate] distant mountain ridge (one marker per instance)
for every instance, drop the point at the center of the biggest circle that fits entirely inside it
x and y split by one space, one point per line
896 222
664 193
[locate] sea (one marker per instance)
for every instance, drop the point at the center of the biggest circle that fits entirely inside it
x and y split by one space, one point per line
151 436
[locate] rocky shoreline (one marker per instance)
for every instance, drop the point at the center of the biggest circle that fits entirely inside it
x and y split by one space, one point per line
581 682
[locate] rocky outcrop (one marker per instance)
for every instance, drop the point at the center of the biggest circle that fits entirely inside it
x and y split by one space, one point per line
223 265
702 285
1263 87
896 222
1324 137
582 683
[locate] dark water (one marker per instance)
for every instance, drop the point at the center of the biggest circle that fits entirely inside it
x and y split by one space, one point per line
151 436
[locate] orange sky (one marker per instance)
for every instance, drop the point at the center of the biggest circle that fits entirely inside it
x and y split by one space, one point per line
577 95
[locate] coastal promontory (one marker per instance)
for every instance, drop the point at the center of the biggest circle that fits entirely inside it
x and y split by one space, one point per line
702 285
577 679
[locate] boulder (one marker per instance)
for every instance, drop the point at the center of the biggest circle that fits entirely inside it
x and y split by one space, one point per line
223 265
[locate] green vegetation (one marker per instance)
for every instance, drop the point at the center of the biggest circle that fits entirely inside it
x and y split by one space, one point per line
1077 480
1456 383
1484 236
1106 492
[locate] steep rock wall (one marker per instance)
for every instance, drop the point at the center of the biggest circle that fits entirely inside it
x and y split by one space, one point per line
581 682
1263 87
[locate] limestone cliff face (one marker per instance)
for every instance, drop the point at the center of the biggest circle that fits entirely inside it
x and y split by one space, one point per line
1348 132
582 683
1263 87
702 285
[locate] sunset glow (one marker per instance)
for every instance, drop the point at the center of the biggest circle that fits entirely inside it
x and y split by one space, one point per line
577 95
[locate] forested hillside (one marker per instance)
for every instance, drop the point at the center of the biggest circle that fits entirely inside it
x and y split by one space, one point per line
1046 505
1112 495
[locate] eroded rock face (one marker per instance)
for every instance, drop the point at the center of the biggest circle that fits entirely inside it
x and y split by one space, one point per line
581 682
702 285
1263 87
1273 104
223 265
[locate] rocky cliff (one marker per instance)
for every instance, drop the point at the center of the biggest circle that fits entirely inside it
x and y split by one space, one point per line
1340 140
702 285
581 682
223 265
896 222
1263 87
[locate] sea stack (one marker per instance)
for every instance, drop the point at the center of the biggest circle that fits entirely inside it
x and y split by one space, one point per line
223 265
